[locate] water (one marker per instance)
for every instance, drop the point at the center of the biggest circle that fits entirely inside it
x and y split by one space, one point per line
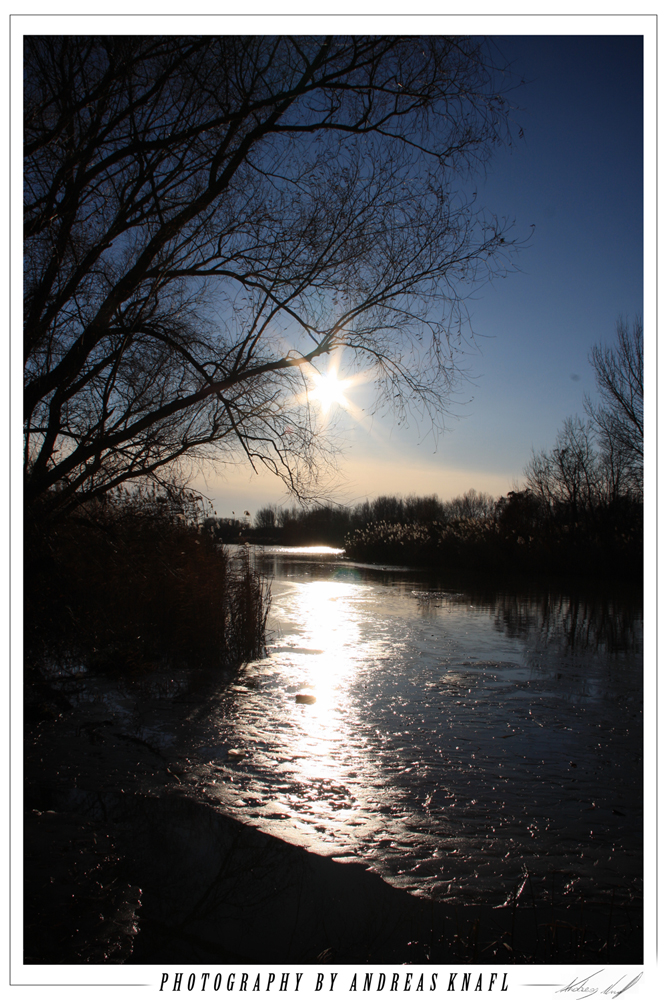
459 740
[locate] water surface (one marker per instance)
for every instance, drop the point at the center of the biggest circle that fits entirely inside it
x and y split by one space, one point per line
459 740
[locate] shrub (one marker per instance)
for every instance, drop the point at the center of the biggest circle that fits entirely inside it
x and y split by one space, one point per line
130 583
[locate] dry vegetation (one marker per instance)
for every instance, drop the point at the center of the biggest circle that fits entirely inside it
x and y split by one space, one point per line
131 582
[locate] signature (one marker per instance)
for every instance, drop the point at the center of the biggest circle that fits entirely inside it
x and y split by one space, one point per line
586 988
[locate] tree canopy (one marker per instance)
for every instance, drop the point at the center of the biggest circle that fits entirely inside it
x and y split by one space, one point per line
206 217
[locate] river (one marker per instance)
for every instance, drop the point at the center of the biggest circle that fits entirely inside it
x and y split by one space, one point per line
457 740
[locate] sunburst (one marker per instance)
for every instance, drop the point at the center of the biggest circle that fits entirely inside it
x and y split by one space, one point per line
328 390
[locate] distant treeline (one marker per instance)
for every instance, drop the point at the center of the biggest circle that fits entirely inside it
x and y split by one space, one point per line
584 534
331 524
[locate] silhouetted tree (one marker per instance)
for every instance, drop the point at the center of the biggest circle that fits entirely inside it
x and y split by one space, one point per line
521 512
619 417
389 509
206 217
598 463
569 476
470 505
423 509
265 519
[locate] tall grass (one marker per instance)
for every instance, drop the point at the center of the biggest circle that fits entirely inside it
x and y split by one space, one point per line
130 584
496 545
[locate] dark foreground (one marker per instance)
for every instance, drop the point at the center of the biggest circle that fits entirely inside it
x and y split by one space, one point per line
127 860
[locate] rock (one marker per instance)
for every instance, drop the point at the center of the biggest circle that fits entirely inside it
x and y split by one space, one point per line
306 699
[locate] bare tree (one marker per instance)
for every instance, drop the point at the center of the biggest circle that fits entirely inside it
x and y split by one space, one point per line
206 217
472 504
422 508
265 518
568 477
619 417
599 462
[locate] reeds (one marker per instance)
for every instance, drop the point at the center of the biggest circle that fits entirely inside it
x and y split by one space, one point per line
128 585
491 544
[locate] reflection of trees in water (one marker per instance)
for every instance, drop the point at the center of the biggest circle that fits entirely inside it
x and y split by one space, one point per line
579 622
584 620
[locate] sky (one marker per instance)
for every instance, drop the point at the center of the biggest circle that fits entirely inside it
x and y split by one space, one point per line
573 188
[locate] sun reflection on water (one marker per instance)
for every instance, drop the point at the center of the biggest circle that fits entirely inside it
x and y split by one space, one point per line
325 663
329 623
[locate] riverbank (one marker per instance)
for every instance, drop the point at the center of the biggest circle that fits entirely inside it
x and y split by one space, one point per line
130 583
129 858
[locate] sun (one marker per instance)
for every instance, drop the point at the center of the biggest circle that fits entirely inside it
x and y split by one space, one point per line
329 389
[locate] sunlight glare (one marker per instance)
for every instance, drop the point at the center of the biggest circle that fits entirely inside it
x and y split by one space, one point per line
329 625
329 389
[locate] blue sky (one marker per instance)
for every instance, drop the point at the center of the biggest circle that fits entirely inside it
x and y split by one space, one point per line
573 186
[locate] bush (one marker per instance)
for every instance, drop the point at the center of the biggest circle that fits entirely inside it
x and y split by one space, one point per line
129 583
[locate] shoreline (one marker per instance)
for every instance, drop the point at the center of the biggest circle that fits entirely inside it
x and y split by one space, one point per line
154 871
